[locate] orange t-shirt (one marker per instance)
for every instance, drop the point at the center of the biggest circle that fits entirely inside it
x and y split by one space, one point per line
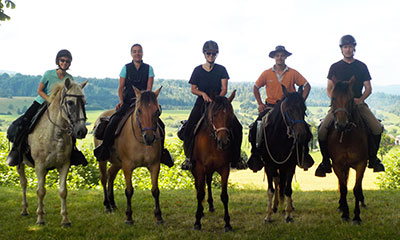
273 87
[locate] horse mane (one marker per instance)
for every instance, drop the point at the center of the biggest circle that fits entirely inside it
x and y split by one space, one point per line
221 102
57 88
146 98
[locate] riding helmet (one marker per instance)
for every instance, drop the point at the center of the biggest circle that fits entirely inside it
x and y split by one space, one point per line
210 46
346 40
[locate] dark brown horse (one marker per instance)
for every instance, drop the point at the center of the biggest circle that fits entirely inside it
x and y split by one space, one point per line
348 146
212 153
285 134
138 145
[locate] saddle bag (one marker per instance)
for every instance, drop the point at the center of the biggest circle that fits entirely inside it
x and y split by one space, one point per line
181 130
101 127
15 128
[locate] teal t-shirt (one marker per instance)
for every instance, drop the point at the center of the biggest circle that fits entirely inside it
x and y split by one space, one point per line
50 78
123 72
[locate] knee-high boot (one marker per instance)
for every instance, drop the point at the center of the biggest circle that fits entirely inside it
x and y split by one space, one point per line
325 166
373 147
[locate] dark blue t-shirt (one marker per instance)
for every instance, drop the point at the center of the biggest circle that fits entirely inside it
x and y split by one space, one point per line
343 71
208 82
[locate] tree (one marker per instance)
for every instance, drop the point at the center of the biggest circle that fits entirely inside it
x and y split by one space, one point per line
7 4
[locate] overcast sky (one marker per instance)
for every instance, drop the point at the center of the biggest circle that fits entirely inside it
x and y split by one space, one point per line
100 33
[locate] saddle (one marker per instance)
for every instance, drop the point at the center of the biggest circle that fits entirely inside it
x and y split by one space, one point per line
181 130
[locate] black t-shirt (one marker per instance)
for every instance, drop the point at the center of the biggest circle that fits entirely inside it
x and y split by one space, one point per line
208 82
343 71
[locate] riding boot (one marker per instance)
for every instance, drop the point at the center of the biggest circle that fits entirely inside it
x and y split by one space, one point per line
373 147
307 161
166 157
325 166
77 157
254 162
103 151
188 149
14 156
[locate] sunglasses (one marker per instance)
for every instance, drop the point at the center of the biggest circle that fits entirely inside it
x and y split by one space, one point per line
211 53
65 60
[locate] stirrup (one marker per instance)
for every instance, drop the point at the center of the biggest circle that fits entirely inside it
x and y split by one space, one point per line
323 169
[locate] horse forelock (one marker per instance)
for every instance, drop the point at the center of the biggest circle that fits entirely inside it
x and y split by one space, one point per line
146 98
57 89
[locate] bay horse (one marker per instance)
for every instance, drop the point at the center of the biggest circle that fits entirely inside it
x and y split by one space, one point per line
211 153
284 135
348 145
137 145
51 143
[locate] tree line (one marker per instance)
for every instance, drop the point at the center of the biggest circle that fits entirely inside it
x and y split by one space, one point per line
102 93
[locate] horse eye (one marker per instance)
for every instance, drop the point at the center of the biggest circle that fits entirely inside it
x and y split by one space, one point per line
139 111
70 103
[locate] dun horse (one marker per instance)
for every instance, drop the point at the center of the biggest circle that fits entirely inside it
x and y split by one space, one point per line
348 146
285 132
51 143
137 145
212 153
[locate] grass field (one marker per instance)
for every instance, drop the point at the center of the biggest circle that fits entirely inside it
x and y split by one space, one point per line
315 216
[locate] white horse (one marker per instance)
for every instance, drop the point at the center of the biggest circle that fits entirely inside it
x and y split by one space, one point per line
51 143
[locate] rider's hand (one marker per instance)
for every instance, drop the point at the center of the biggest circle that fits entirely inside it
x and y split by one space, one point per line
358 101
262 107
118 105
206 97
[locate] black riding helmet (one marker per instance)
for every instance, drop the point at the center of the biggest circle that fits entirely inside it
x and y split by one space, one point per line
346 40
210 46
63 53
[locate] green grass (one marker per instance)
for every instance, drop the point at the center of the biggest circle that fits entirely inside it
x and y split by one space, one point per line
315 216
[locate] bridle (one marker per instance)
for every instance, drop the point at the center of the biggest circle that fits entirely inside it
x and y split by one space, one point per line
289 123
215 130
64 109
143 129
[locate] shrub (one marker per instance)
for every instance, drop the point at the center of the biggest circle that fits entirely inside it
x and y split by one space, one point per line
391 178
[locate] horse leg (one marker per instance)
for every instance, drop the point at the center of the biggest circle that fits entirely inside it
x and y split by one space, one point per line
128 194
23 182
103 180
111 175
199 183
271 192
154 171
288 193
63 192
275 193
225 199
358 194
209 190
41 192
343 175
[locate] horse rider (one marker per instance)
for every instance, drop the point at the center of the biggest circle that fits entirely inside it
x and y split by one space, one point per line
344 70
140 75
208 79
48 80
273 79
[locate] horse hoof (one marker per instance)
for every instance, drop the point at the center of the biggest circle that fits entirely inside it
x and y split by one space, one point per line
24 214
159 222
129 222
289 220
346 219
356 221
108 210
211 209
197 227
41 223
228 229
363 205
274 209
268 220
66 224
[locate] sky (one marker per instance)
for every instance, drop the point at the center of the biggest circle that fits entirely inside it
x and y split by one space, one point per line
100 33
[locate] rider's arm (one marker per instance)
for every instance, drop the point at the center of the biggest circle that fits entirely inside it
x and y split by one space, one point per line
41 92
261 106
150 82
197 92
329 88
121 92
306 90
224 87
366 93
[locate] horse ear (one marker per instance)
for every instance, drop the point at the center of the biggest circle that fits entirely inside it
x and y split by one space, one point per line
67 83
137 92
157 91
232 96
285 92
84 83
351 81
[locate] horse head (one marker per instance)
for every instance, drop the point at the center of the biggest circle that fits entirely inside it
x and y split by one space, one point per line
342 103
72 105
220 114
147 112
293 110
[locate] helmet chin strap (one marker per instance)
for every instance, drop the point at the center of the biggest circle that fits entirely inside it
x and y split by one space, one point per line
59 67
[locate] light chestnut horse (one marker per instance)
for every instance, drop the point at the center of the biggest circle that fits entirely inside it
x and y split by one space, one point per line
51 143
137 145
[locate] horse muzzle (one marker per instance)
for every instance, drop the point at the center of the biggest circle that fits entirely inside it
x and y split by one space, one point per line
148 138
80 132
